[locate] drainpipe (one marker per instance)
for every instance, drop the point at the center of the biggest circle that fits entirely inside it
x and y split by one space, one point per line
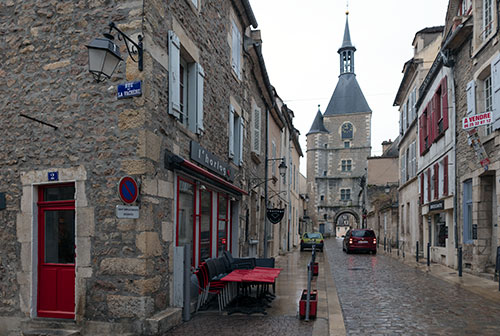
265 183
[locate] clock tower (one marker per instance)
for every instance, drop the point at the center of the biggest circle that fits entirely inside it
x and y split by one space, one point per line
338 145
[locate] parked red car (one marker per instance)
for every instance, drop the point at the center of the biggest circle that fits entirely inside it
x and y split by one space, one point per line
360 240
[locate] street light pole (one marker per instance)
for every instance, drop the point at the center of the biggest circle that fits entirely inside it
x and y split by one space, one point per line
266 171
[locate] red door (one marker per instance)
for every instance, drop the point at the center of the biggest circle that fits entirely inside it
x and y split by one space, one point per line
56 252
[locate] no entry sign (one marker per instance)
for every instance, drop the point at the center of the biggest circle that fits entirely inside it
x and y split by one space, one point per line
127 189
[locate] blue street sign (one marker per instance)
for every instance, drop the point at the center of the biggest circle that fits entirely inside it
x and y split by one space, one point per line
130 89
53 176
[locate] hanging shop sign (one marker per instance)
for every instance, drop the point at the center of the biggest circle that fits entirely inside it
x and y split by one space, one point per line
211 161
275 215
476 120
128 90
128 190
438 205
475 143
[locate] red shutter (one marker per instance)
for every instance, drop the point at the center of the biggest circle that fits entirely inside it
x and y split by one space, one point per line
421 133
422 184
429 196
445 176
429 124
444 100
436 181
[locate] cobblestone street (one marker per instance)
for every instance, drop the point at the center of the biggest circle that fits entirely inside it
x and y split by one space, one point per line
381 296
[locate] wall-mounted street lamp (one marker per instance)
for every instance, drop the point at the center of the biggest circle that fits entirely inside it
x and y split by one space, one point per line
281 168
104 54
387 188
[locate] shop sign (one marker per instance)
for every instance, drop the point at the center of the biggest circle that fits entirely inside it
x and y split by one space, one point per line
476 120
211 161
53 176
127 211
275 215
474 231
475 143
439 205
130 89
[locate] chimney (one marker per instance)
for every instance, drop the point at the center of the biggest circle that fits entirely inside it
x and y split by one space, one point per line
386 145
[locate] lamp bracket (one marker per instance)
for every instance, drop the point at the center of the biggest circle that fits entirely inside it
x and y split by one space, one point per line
137 47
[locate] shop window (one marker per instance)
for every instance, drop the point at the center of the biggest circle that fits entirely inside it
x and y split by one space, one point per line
185 82
441 230
205 224
223 225
467 213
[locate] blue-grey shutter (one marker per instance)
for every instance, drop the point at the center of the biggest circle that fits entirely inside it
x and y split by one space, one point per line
471 98
174 45
236 50
231 131
240 141
200 77
495 85
256 129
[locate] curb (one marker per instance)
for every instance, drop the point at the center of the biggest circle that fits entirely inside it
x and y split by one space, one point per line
335 317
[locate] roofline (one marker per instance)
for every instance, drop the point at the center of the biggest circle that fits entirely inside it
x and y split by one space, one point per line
410 69
249 12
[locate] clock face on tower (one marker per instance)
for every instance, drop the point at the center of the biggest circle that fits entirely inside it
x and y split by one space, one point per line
347 131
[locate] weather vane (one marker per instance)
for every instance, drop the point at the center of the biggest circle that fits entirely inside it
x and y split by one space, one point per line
347 7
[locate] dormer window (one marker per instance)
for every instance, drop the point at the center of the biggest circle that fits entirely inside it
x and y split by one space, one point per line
465 8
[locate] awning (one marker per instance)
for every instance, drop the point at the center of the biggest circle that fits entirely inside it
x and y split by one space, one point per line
173 161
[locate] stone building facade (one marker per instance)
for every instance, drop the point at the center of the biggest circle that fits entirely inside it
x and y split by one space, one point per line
338 145
193 141
426 44
472 47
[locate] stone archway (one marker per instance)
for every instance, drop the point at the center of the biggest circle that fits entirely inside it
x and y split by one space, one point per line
342 229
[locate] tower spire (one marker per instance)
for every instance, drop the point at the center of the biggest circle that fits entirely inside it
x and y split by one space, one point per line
347 50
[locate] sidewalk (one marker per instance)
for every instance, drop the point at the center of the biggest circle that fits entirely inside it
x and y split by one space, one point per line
479 285
293 280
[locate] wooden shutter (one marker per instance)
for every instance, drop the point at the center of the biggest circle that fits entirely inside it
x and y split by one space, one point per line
429 196
236 50
495 85
174 45
471 98
200 77
421 135
231 131
445 176
422 189
405 117
240 140
256 129
436 181
444 102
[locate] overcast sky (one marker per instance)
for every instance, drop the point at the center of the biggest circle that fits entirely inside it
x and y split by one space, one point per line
300 43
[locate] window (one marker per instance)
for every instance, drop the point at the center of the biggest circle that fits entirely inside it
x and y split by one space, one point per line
235 136
326 145
185 82
322 197
346 165
257 126
465 7
488 101
405 116
273 153
195 3
467 215
325 216
324 172
413 160
236 49
347 144
347 131
487 18
345 194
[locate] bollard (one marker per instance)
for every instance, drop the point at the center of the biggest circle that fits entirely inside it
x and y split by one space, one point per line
416 248
384 243
308 300
460 261
186 311
428 254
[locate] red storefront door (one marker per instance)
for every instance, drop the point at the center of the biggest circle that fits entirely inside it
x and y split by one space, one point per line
56 252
